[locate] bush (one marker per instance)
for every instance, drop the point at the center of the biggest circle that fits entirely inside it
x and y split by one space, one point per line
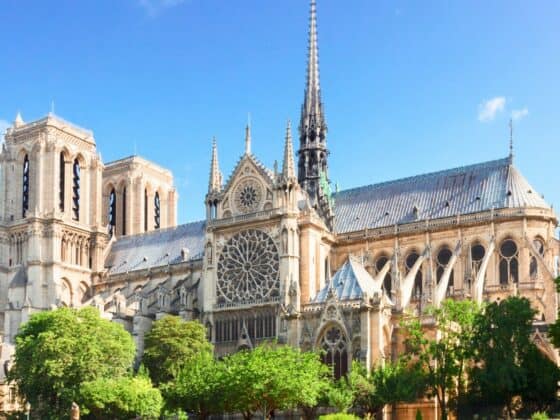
539 416
339 416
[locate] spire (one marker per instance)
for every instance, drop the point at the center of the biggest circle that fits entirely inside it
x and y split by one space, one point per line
215 182
312 128
18 122
248 139
288 165
313 92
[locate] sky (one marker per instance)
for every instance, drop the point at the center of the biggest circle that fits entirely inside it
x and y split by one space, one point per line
409 87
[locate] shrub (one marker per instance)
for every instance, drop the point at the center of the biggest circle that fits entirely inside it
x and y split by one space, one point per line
539 415
339 416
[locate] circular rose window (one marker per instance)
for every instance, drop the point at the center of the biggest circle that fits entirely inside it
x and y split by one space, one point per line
248 196
248 269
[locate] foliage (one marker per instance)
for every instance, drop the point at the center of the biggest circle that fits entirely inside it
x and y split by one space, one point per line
341 395
57 351
508 364
273 377
121 398
539 416
339 416
170 344
554 329
199 386
444 355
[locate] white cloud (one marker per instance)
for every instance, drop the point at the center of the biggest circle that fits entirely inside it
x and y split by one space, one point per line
517 114
154 7
4 125
487 110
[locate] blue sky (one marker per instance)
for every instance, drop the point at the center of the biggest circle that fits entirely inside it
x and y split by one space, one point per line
408 86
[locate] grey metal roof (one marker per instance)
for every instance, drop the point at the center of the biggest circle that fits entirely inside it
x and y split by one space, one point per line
469 189
156 248
351 281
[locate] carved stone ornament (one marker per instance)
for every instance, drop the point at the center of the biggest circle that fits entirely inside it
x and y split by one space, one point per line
248 195
248 269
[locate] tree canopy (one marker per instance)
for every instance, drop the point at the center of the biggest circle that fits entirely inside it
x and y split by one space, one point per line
58 351
170 344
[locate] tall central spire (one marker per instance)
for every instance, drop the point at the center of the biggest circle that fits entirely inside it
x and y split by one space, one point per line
313 152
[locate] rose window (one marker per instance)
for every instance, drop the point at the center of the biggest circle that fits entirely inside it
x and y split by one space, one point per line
248 196
248 269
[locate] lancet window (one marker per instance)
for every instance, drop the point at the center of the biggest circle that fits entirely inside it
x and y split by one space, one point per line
538 245
76 190
334 346
145 210
442 261
410 261
157 211
124 211
509 264
61 181
259 326
112 212
387 281
25 188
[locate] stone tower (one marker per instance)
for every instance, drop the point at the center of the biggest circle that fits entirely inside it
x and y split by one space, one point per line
313 171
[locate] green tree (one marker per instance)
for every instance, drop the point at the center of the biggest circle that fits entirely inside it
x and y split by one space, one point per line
508 364
170 344
121 398
57 351
554 329
444 352
199 387
273 377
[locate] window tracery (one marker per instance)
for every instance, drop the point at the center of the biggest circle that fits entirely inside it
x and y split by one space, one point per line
258 326
248 195
157 211
509 264
112 214
334 345
248 269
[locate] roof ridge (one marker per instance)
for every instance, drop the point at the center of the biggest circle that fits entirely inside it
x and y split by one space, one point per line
158 231
430 174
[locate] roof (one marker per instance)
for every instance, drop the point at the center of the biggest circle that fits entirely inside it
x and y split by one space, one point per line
350 282
469 189
156 248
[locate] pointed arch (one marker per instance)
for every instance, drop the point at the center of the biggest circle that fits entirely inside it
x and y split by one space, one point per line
334 345
25 186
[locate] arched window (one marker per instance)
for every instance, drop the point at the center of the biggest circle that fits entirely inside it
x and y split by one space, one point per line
145 210
25 190
442 260
112 212
61 181
410 261
76 191
509 264
157 211
477 255
335 350
538 245
387 281
124 211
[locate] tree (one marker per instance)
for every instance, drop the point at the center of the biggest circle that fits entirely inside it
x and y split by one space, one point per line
444 354
199 387
508 364
274 377
121 398
57 351
554 329
170 344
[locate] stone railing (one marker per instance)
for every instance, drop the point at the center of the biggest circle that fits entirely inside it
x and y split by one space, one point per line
259 215
435 224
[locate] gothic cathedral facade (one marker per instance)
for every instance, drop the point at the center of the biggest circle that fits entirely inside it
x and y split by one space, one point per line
279 256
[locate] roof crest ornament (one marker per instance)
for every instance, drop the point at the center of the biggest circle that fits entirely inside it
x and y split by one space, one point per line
248 136
511 140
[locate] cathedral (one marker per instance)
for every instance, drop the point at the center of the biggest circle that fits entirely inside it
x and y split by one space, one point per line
280 255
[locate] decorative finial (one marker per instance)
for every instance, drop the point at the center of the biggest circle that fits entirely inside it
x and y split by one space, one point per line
248 138
215 182
18 122
511 139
